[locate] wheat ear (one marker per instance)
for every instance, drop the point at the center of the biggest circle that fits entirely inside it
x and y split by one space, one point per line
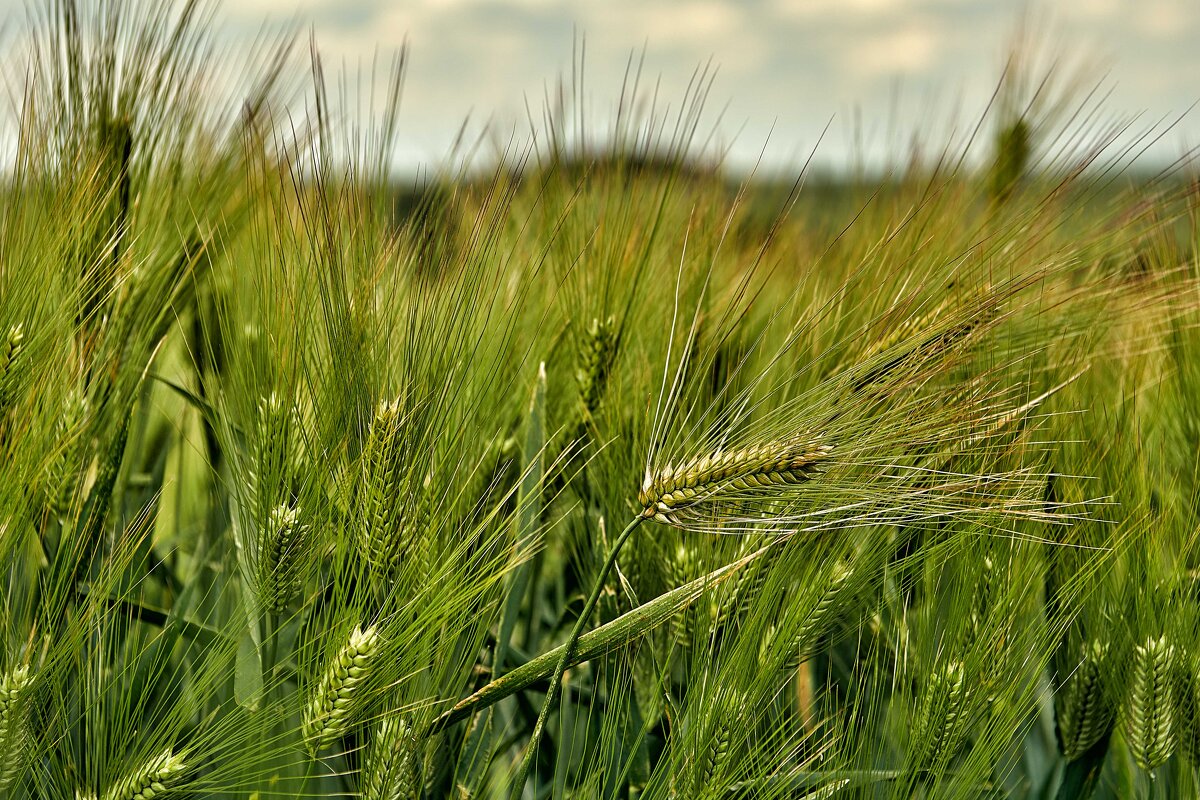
1150 717
14 724
392 770
334 702
670 493
161 776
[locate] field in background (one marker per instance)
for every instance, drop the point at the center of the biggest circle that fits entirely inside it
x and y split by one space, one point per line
313 485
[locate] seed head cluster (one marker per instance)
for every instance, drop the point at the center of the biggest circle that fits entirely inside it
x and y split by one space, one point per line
14 726
160 777
392 768
1150 711
280 579
1084 707
673 491
335 701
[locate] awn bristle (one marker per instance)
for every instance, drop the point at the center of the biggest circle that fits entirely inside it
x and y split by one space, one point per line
161 776
942 720
393 769
1083 706
1150 717
14 724
674 490
333 705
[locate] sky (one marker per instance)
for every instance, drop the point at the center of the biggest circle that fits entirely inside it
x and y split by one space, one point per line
862 77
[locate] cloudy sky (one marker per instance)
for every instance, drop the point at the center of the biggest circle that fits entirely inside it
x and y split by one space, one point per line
875 71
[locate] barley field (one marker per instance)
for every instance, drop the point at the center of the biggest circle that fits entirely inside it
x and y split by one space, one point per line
593 472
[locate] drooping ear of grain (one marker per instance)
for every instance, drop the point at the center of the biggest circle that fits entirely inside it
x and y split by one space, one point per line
336 699
670 494
161 776
14 725
941 722
392 771
1083 706
1150 708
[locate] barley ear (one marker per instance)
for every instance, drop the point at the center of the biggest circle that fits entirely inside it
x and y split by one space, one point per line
335 701
11 350
1149 721
1187 707
714 751
392 771
271 466
942 721
823 614
14 724
1083 706
672 492
597 350
379 493
163 775
279 579
61 478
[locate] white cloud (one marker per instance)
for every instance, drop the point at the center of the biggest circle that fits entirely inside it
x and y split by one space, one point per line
910 48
